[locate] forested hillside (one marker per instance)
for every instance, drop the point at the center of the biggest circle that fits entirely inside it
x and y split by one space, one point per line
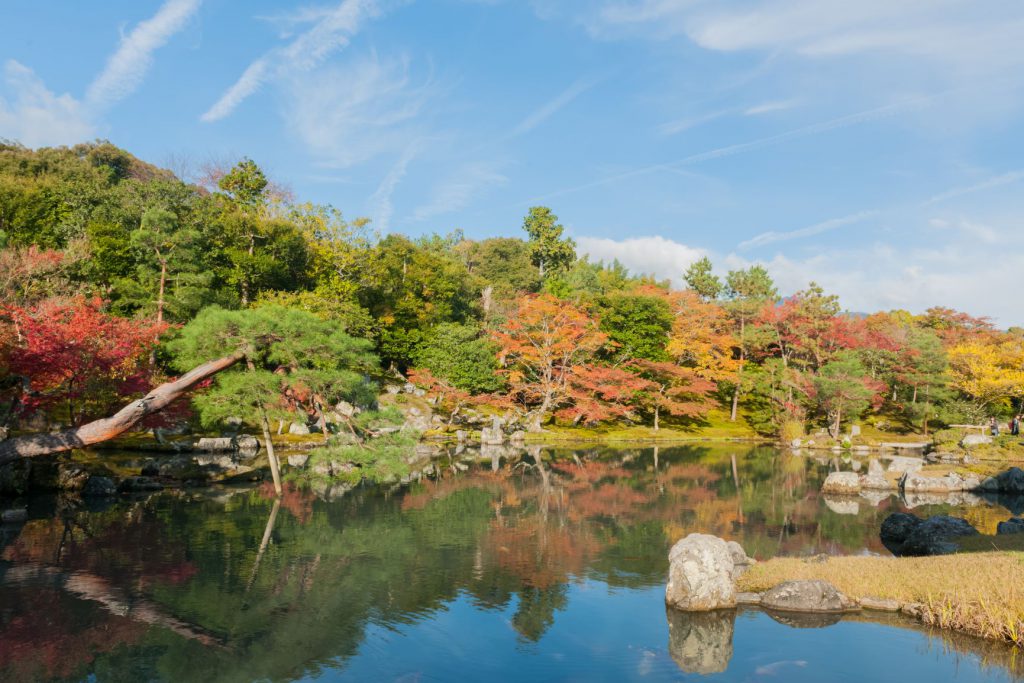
116 275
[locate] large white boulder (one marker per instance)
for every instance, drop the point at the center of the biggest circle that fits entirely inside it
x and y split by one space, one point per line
701 574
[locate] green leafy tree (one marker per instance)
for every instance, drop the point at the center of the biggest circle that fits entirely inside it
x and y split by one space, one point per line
747 291
408 288
462 356
549 251
700 279
638 325
843 388
246 184
294 363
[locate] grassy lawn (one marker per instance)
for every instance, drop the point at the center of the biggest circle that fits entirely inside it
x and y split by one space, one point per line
715 426
981 593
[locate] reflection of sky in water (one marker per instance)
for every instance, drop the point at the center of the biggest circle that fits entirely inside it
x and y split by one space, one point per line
621 635
518 574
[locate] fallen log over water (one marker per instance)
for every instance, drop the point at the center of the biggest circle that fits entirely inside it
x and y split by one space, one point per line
32 445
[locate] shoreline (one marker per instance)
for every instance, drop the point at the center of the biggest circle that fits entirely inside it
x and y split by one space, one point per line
980 594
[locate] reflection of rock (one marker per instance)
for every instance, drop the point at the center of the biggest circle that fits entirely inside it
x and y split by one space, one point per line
813 595
875 496
842 505
875 467
701 642
700 574
913 500
1011 501
843 483
805 619
906 534
1014 525
903 463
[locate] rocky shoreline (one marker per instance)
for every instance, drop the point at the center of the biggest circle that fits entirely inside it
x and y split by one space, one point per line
710 575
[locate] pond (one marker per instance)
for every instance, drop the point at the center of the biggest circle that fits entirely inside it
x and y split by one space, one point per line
547 565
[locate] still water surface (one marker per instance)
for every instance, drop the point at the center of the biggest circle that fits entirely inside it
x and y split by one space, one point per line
546 568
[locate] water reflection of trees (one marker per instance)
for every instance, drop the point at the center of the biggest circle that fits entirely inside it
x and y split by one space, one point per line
290 589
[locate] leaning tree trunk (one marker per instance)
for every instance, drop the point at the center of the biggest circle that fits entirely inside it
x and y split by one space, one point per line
109 427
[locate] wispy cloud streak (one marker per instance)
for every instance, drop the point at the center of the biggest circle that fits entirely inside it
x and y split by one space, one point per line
816 229
868 115
332 31
127 67
552 107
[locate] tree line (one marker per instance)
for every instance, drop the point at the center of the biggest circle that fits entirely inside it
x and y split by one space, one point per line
116 275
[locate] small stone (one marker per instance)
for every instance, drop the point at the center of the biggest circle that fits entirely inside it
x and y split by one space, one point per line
812 595
71 477
298 459
746 598
913 609
298 429
880 604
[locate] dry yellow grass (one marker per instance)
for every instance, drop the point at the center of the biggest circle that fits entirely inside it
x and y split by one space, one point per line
978 593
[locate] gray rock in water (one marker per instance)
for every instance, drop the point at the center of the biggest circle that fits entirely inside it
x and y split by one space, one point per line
877 482
99 487
701 643
246 443
1014 525
812 595
915 482
700 574
842 483
1011 481
14 516
905 534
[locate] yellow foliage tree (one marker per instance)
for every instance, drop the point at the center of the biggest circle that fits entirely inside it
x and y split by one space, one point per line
988 371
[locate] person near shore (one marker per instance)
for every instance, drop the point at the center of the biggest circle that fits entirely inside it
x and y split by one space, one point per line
993 426
1015 425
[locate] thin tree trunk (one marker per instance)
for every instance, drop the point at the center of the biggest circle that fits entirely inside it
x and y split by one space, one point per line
275 468
160 295
656 414
739 375
107 428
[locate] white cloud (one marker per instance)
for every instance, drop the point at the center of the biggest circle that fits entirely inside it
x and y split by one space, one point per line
816 229
460 189
128 65
35 116
350 113
962 268
772 106
380 201
331 31
995 181
655 255
552 107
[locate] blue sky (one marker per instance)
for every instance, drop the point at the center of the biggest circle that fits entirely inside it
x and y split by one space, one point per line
876 147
